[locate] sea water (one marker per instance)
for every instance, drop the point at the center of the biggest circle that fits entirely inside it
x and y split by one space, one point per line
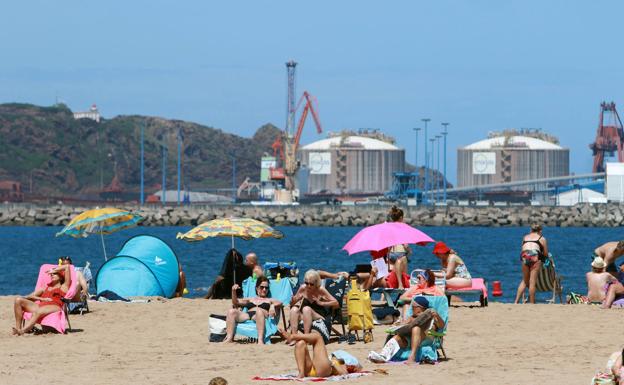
489 252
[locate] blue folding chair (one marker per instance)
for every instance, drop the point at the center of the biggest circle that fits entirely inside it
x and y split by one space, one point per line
435 338
280 290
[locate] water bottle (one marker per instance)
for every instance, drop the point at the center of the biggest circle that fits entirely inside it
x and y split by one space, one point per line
279 276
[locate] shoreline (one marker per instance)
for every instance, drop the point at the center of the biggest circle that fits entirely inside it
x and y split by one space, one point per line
584 215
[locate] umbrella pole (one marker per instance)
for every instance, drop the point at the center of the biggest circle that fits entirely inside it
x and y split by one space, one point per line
103 246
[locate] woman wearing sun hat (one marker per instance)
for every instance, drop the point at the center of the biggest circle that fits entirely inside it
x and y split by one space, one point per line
455 270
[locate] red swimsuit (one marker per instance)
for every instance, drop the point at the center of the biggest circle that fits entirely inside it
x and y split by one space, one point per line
55 294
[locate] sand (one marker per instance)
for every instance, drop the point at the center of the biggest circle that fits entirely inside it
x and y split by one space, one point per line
166 342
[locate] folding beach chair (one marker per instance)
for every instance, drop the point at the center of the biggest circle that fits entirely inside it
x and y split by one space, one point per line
434 343
59 320
82 306
280 290
337 288
549 281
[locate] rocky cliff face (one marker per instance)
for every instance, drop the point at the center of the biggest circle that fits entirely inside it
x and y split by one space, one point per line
64 156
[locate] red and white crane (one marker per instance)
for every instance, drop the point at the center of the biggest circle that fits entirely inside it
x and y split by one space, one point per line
286 144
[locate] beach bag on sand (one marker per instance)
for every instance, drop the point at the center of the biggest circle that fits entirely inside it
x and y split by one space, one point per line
575 299
602 378
217 326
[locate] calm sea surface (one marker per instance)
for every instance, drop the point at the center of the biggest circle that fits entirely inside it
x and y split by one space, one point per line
491 253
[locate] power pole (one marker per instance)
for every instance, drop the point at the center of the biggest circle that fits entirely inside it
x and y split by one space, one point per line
179 161
142 198
426 120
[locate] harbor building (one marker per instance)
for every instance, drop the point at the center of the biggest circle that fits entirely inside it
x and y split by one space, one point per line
351 162
511 156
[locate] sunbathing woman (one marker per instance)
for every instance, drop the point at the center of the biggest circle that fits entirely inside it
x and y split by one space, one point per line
455 270
533 253
317 365
311 303
614 366
42 302
425 286
258 308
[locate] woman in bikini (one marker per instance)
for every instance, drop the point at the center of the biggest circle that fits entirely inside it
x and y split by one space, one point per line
311 304
532 254
42 302
258 309
318 364
397 257
455 270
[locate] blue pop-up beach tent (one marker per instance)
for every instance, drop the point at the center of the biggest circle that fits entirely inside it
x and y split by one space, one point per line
145 266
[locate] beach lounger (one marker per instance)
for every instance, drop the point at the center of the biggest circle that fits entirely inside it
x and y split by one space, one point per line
280 290
82 306
549 281
434 343
479 287
58 321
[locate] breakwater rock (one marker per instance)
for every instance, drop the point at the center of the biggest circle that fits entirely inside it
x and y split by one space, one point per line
585 215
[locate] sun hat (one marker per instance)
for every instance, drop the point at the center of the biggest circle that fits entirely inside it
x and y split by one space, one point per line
598 263
441 248
420 301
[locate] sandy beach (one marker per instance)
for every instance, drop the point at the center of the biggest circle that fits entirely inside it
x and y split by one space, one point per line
166 342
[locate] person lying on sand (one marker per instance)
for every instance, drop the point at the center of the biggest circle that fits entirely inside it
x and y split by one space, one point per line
317 365
598 280
413 332
258 309
42 302
610 252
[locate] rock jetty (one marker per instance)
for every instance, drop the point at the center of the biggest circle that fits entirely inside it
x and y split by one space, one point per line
585 215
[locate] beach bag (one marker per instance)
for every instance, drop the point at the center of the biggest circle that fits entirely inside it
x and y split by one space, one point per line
359 309
217 326
279 270
575 299
602 378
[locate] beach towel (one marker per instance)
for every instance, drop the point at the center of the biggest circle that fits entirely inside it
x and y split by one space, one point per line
293 377
478 284
57 320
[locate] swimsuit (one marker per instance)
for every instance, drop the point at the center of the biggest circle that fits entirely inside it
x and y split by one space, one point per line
265 305
461 270
56 295
397 252
320 310
531 256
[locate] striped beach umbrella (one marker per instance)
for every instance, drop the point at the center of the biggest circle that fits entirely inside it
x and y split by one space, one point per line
244 228
100 221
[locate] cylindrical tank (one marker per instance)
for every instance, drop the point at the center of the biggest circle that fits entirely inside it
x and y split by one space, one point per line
351 164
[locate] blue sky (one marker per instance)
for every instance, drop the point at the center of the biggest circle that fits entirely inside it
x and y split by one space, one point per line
480 65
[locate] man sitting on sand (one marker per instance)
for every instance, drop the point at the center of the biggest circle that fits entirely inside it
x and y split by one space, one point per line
610 252
597 280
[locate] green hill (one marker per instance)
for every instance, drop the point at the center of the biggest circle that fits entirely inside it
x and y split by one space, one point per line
65 156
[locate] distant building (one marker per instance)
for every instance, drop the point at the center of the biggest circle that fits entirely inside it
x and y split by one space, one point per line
92 114
350 162
511 156
11 191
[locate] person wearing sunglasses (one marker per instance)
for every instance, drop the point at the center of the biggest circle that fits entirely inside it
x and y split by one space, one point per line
258 309
311 304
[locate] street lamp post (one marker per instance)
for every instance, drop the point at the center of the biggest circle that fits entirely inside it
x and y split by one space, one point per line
432 140
444 133
164 173
142 163
438 179
416 158
426 120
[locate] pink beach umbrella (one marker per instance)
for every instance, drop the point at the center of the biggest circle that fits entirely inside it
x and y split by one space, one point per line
387 234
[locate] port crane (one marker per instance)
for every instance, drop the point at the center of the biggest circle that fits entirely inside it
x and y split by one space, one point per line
286 145
609 137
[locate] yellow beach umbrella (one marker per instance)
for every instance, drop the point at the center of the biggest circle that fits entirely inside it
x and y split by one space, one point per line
100 221
244 228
